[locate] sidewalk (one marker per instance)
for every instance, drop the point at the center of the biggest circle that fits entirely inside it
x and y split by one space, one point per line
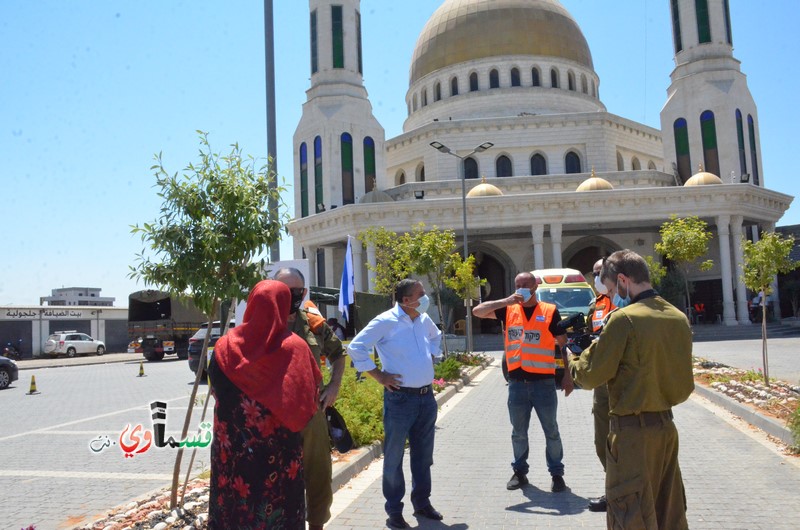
732 480
57 362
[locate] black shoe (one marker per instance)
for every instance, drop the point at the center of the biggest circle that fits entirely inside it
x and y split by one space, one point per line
598 505
430 512
558 484
396 521
517 481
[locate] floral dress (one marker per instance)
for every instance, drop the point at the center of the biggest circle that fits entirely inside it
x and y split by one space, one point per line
256 464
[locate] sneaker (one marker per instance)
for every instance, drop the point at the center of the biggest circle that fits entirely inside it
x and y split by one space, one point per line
558 484
517 481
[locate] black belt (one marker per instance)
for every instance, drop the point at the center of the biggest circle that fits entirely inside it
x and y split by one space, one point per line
418 391
644 419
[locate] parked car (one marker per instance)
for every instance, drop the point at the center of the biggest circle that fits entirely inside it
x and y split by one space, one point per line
9 372
196 343
72 343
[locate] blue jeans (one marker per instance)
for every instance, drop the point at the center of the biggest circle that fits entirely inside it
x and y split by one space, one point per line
541 396
408 417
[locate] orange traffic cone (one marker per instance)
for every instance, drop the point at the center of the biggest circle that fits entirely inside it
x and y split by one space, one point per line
141 370
33 387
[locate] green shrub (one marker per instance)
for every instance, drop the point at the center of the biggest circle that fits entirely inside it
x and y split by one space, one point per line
449 369
361 405
794 426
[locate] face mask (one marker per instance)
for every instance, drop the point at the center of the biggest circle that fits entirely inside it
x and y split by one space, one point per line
618 300
424 302
297 301
525 293
600 286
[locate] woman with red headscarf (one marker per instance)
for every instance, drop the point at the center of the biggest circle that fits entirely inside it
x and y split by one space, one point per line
264 379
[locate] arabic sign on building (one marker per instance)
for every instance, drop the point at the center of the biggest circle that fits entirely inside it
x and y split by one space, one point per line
61 313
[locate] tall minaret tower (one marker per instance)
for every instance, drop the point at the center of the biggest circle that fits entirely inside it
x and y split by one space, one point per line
338 144
710 117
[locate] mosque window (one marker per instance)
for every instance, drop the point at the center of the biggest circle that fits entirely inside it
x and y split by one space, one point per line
319 199
538 165
676 26
515 81
703 23
535 77
454 86
358 42
708 132
571 81
594 90
437 91
314 50
369 164
635 164
421 174
470 168
414 103
303 180
554 78
503 166
424 97
681 132
400 178
321 267
348 185
651 165
751 128
494 79
473 82
740 138
584 84
620 162
572 162
727 12
337 27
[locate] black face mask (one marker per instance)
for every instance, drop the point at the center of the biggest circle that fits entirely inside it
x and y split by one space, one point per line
297 301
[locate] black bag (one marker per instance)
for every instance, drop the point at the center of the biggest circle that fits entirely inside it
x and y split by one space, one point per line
337 428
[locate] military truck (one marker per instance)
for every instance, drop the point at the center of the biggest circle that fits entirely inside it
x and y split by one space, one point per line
160 324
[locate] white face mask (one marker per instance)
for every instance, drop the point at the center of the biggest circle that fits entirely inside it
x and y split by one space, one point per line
600 286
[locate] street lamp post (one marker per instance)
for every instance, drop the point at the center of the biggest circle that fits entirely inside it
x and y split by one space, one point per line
444 149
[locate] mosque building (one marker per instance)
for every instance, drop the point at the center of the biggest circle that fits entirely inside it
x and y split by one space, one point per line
507 89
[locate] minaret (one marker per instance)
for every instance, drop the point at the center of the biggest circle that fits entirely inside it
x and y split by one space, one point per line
338 144
710 117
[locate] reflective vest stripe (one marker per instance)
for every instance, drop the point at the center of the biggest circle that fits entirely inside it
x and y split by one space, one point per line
531 350
534 364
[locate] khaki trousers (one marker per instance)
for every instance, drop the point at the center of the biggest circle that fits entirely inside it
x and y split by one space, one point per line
600 413
644 487
317 470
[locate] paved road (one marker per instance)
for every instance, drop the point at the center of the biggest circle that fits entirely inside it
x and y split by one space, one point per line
732 481
784 355
50 477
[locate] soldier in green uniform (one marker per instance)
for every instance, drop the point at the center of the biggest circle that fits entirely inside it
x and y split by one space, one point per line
310 325
644 354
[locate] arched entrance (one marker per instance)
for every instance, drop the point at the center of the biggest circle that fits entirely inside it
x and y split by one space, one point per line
583 254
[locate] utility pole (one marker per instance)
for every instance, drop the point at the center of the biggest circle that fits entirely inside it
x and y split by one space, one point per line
272 151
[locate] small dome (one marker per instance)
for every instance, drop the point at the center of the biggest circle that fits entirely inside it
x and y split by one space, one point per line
595 183
703 178
375 196
484 189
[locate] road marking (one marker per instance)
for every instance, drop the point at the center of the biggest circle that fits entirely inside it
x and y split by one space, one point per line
82 420
85 475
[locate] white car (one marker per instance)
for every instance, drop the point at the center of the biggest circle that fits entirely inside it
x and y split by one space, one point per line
72 343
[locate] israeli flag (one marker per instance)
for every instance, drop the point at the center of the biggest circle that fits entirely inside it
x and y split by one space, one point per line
347 286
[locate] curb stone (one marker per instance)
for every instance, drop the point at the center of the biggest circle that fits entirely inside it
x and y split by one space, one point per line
769 425
364 456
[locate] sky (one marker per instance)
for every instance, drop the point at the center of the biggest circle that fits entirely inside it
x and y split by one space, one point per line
90 91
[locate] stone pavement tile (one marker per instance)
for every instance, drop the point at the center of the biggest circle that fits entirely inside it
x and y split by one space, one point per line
732 480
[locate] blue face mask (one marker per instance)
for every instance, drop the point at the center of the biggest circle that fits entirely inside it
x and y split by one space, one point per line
618 300
525 293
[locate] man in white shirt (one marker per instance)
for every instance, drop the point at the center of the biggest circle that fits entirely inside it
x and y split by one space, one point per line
407 341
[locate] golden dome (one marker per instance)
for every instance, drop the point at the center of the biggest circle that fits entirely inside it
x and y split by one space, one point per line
595 183
484 189
703 178
464 30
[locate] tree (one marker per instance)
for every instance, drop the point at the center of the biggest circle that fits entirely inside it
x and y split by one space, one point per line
657 271
763 260
684 241
214 223
391 262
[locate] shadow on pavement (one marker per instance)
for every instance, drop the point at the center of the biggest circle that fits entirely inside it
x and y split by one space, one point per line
547 503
